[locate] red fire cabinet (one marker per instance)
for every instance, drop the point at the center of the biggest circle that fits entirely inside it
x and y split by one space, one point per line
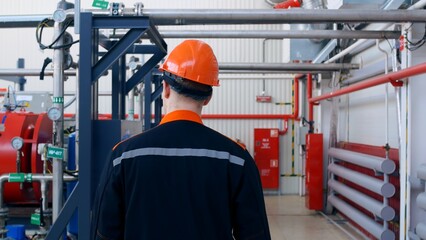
314 178
266 156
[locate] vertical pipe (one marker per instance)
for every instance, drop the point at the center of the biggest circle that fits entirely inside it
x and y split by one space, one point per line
58 100
309 94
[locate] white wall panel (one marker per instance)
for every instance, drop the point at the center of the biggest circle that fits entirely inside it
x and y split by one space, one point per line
232 97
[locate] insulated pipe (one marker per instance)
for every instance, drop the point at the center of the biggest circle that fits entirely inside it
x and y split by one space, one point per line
421 230
370 183
359 218
421 172
376 163
393 76
296 67
421 200
58 126
377 208
32 72
281 34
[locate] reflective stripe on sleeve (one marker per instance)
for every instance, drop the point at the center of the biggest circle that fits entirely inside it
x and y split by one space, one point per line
179 152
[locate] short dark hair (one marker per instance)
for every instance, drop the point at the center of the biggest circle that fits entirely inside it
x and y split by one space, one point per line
188 88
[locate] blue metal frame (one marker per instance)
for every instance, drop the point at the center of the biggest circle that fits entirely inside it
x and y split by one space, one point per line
90 69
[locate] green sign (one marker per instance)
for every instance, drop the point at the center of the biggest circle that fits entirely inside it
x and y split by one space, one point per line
35 219
100 4
55 152
20 177
58 100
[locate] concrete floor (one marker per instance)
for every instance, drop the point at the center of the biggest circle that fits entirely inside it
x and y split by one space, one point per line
290 220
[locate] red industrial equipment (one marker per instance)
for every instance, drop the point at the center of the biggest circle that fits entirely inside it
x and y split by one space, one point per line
266 155
314 172
288 4
34 129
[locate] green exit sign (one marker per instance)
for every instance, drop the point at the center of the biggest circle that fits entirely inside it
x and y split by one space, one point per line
55 152
100 4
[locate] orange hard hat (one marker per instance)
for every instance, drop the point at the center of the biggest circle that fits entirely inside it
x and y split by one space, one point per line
193 60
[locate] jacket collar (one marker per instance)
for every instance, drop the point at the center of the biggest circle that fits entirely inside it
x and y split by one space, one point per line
181 115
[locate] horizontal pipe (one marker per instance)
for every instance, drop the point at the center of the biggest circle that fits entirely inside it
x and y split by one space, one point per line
385 212
32 72
421 200
281 34
362 220
394 76
421 172
421 230
247 116
261 16
372 162
242 16
288 66
373 184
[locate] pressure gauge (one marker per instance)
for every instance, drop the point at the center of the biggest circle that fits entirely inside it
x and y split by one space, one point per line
54 113
17 143
59 15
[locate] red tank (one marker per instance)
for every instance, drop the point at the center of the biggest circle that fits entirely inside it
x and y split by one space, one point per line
34 129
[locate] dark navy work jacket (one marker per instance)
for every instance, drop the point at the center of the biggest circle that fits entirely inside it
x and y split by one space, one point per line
180 180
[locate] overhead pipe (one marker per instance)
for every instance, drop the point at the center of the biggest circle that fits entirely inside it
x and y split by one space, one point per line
385 212
361 219
296 67
370 183
393 76
282 34
372 162
32 72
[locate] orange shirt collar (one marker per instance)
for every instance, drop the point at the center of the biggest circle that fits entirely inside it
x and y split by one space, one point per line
181 115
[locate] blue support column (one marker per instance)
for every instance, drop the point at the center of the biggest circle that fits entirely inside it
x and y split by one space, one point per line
91 151
85 137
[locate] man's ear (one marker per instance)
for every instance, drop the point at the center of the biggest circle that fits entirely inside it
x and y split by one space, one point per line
166 90
207 100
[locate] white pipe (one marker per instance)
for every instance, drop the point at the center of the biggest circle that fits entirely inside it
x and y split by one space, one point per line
365 160
370 183
421 200
377 208
421 230
421 172
346 51
364 221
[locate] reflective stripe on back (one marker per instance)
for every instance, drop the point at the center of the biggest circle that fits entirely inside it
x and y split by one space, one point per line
179 152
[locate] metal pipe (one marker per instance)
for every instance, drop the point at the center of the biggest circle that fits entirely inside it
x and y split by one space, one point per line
421 172
296 67
421 230
309 95
377 208
421 200
345 51
393 76
370 183
372 162
282 34
254 16
364 221
58 126
32 72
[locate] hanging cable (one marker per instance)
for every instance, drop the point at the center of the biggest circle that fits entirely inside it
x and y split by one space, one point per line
39 35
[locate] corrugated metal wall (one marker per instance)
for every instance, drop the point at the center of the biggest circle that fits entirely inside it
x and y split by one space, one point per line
236 96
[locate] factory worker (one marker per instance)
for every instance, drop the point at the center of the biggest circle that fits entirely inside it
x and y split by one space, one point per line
181 179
